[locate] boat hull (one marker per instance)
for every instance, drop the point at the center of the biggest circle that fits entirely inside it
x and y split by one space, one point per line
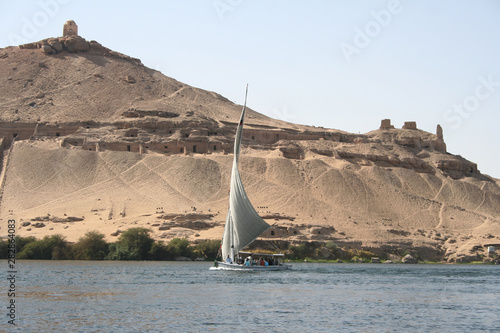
222 266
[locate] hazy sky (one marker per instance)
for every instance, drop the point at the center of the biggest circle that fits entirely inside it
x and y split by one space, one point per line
337 64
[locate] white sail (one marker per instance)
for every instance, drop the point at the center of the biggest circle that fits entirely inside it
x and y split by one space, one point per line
243 223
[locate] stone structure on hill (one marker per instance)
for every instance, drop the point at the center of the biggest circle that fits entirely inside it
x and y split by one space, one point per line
410 125
386 124
70 28
439 132
72 42
160 132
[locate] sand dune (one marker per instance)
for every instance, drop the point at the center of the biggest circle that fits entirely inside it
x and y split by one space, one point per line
371 205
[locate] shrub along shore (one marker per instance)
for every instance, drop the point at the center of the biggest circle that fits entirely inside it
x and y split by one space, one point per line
137 244
133 244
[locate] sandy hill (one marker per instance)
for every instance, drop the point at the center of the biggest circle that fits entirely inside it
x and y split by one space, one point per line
98 84
94 140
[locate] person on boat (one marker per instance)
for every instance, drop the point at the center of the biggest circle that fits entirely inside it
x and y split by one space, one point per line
228 260
247 262
266 263
261 262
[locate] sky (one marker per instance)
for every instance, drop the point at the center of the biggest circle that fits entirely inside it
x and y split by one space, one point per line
342 64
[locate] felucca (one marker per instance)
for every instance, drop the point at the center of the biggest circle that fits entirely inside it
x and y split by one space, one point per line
243 224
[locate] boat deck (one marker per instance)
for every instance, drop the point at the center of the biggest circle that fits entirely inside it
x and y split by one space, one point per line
222 266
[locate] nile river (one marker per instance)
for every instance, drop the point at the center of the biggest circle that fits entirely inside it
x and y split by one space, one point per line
110 296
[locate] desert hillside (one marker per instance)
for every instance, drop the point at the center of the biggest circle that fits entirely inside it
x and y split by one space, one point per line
94 140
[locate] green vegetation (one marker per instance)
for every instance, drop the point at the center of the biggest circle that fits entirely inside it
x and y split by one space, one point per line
50 247
133 244
137 244
207 249
301 251
329 252
179 248
91 247
356 255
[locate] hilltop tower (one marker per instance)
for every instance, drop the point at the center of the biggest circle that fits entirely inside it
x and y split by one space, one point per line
70 28
439 132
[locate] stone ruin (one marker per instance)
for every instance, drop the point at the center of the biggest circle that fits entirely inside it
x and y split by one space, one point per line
410 125
70 28
439 132
386 124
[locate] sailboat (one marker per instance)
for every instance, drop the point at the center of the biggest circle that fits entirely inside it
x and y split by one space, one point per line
243 224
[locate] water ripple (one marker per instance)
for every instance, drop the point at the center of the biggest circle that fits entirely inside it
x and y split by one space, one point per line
167 297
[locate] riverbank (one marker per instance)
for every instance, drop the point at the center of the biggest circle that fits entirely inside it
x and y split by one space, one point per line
137 244
390 262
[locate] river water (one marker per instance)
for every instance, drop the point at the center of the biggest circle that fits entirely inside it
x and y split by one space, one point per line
110 296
